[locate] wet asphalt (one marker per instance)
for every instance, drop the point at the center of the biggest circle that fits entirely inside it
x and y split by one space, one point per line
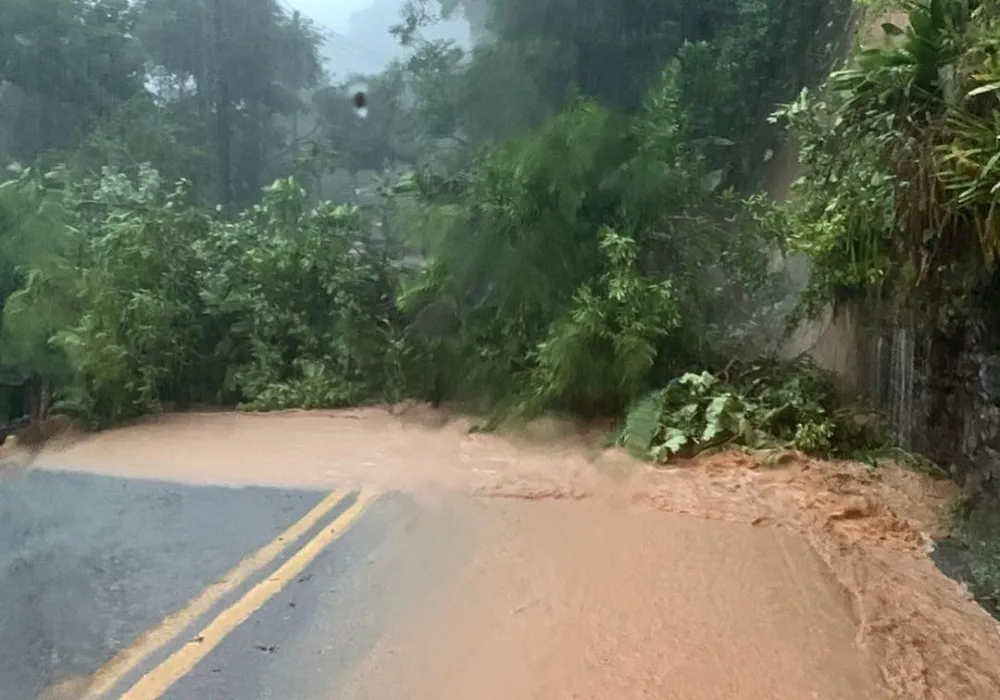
88 563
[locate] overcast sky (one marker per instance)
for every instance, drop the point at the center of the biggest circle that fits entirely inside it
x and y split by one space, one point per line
334 13
358 32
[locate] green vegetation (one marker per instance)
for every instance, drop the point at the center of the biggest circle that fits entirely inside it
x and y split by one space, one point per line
763 405
561 218
898 200
902 167
140 297
564 217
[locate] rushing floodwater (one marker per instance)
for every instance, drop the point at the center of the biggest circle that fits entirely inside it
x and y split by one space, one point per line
855 545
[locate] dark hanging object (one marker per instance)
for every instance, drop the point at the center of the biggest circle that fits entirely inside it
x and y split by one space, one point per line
359 100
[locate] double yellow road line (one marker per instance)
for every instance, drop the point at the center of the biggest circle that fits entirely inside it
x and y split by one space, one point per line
158 680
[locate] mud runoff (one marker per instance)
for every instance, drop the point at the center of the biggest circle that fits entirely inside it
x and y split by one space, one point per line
732 578
586 600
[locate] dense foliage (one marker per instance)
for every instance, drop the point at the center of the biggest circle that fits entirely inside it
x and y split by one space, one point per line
560 218
897 206
141 297
758 405
901 177
606 257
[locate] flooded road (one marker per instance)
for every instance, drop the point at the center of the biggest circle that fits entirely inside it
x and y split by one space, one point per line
579 600
573 572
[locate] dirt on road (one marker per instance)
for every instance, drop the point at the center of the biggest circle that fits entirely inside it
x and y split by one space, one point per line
731 578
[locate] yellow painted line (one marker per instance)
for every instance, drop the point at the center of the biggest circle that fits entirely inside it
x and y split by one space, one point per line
158 681
129 658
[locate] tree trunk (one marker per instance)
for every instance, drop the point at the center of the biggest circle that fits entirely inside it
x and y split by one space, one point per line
35 389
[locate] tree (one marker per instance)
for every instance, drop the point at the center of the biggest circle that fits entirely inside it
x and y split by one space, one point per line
565 186
265 60
65 65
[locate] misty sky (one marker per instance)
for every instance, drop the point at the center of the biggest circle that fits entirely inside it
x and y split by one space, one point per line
335 14
358 32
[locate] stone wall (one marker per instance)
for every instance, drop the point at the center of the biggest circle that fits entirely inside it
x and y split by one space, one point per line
940 394
980 440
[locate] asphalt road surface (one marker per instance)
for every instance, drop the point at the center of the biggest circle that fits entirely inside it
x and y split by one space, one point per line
115 588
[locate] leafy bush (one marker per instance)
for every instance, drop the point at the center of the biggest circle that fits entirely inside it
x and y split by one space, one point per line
150 298
767 404
606 257
900 183
305 302
601 353
116 312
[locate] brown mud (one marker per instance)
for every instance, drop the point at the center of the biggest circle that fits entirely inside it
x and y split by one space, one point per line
860 535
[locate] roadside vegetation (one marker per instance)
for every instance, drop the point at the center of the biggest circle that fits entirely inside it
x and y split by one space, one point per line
565 217
897 203
598 240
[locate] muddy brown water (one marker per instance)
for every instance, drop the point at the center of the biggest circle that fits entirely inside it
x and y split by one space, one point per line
732 578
